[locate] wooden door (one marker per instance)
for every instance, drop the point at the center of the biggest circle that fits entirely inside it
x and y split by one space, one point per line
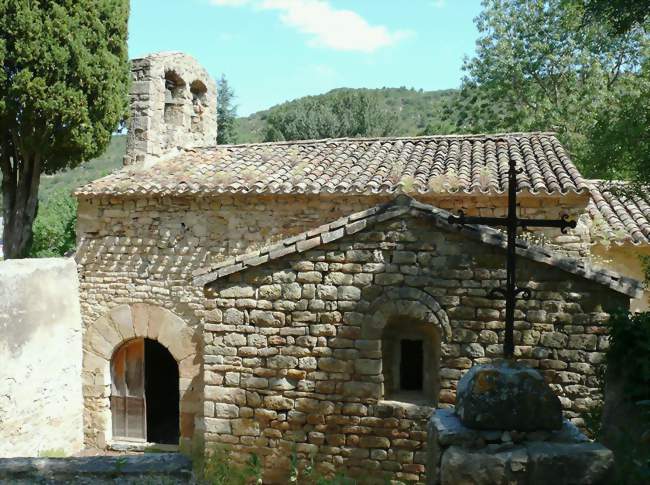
128 405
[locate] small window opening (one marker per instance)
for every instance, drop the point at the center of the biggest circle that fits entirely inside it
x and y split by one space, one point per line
410 361
411 365
174 87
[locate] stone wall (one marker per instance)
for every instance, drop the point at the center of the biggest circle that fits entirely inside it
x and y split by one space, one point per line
625 259
40 356
144 250
173 103
293 349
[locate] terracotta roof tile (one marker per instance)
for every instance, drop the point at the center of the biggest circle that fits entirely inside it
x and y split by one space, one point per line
472 164
622 218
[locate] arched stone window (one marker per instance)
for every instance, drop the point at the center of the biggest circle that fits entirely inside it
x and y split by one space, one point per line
174 99
144 393
410 360
199 101
411 327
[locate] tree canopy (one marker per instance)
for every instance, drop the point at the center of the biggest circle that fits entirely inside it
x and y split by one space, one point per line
63 91
343 113
621 15
539 66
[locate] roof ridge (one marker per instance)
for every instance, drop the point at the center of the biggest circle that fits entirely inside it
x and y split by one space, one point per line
401 204
516 134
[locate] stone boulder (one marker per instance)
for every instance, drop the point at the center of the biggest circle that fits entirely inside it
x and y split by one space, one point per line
507 396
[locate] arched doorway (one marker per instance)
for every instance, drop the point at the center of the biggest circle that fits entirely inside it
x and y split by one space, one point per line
144 393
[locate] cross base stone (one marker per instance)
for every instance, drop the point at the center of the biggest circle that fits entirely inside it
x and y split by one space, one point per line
506 395
458 454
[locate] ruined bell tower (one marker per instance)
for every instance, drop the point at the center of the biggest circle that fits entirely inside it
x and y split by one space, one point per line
173 105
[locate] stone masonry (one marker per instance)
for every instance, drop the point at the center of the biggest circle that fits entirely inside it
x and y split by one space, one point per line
293 348
173 104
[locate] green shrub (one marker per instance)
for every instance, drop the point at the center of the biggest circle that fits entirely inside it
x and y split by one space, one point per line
216 468
54 227
629 355
629 352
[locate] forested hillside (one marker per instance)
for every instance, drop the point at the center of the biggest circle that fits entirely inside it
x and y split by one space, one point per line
406 112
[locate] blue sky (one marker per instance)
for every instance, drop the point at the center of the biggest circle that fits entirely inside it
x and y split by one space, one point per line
276 50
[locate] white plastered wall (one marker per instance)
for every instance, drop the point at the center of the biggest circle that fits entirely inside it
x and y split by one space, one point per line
41 405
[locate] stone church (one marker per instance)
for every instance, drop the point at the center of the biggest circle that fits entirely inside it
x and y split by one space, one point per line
309 297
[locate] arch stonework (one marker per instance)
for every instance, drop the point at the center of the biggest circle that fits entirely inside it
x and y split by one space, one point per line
405 301
416 306
121 324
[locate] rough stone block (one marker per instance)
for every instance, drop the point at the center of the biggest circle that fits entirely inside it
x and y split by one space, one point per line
507 395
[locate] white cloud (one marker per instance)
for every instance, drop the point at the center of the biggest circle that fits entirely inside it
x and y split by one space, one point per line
327 26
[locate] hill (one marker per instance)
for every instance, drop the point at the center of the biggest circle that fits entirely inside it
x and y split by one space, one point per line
417 111
68 180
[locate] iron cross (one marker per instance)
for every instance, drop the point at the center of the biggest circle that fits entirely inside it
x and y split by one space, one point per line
512 223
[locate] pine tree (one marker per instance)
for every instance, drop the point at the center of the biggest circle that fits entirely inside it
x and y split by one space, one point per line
226 112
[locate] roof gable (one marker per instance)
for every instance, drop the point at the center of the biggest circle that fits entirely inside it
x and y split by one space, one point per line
400 206
463 164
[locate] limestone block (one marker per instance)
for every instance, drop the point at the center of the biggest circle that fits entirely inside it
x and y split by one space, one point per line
267 319
237 291
233 317
460 465
270 292
507 395
282 362
569 463
245 427
349 293
367 366
278 403
227 395
335 365
123 320
140 314
107 329
95 342
361 389
216 425
182 345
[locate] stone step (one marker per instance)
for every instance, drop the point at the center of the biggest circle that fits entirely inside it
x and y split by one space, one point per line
153 468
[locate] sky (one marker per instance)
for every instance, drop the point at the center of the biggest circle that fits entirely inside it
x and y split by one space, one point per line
273 51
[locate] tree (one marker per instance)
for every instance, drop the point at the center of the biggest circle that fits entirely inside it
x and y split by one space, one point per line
63 91
341 113
54 226
226 112
621 15
621 137
549 70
